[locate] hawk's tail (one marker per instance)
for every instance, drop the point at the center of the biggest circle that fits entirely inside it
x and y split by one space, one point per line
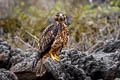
40 68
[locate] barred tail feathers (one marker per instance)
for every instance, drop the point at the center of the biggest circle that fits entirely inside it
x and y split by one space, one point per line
40 68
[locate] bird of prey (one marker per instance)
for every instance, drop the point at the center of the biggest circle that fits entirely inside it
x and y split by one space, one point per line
53 39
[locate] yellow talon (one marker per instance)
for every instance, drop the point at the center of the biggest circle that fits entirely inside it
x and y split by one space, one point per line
52 56
55 57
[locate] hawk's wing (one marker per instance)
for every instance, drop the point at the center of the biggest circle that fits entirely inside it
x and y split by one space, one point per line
47 39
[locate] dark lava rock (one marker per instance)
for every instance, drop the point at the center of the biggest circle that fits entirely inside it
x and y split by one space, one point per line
112 46
102 63
10 56
64 72
7 75
75 65
4 55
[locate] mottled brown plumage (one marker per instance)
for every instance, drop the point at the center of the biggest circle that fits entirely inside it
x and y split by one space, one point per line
53 39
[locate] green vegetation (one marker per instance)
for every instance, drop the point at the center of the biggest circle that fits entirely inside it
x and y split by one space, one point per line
90 22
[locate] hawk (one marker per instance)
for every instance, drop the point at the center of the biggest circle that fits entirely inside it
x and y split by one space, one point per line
53 39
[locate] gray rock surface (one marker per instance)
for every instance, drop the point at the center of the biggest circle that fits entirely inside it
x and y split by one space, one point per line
4 55
103 64
75 65
7 75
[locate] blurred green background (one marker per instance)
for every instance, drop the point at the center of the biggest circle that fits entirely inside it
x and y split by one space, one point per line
91 20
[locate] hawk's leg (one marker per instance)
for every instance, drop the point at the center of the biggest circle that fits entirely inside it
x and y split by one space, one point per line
54 57
57 58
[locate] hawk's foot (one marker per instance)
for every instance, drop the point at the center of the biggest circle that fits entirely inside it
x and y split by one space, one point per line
55 57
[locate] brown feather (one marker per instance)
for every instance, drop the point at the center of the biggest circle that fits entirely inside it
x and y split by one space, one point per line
47 39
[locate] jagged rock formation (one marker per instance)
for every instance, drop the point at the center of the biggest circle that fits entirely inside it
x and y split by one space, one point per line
7 75
102 63
79 66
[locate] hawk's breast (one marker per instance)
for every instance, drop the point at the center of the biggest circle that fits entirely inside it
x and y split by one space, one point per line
61 39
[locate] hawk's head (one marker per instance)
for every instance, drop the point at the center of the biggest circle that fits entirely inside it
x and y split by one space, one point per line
60 17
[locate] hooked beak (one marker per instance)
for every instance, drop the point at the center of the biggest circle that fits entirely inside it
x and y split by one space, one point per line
61 18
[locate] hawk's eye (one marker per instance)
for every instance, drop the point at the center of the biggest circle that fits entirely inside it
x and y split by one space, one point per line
56 18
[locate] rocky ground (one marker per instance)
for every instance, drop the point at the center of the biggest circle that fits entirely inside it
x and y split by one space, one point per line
101 62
